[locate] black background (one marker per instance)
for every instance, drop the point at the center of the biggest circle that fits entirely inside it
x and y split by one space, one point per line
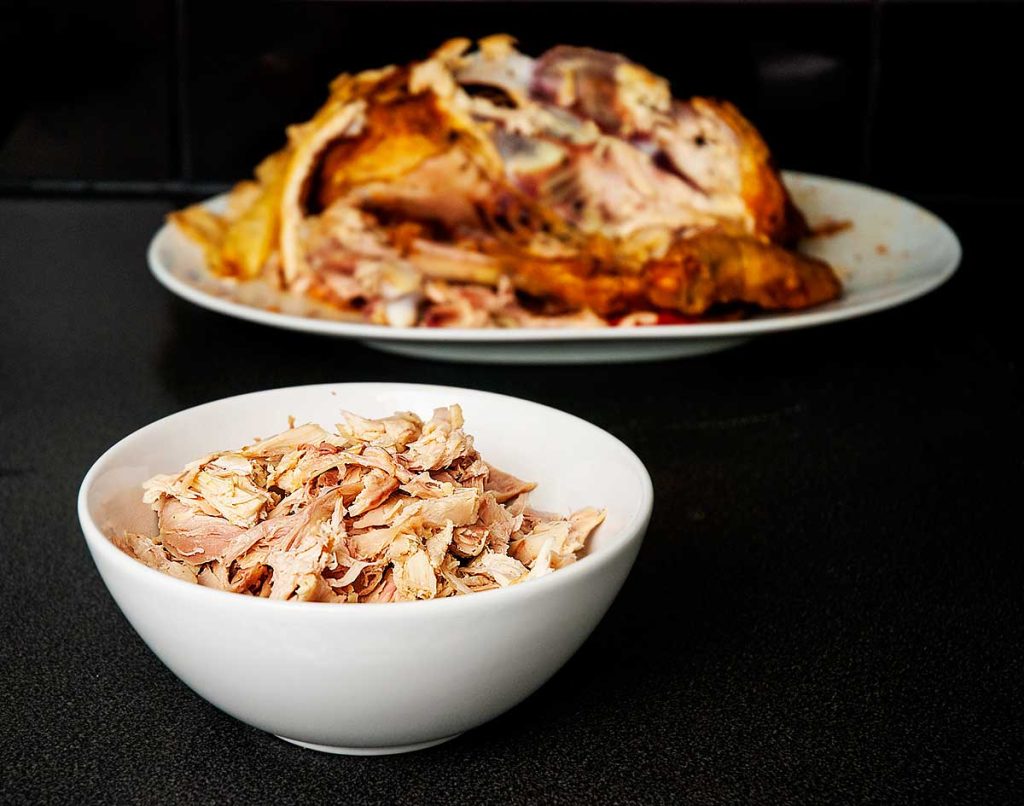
150 97
827 607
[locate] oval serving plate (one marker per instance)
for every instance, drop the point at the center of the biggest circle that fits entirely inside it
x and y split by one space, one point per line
893 252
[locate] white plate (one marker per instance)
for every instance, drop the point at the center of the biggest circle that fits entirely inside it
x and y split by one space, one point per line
894 252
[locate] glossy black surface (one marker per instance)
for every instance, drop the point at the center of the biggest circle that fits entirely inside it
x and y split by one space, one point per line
827 607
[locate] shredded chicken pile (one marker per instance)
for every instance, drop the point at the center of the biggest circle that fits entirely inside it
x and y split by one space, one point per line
381 510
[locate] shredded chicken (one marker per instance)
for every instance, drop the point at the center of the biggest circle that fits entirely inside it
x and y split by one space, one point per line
383 510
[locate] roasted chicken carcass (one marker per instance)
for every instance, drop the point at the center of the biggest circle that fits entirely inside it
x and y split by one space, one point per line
484 187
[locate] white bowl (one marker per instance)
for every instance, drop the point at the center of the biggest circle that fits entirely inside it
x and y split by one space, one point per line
372 678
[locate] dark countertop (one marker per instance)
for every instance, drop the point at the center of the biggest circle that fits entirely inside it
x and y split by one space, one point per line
827 606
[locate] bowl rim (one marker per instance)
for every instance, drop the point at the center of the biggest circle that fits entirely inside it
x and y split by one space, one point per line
589 564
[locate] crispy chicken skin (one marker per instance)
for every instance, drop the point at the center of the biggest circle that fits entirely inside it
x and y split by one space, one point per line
698 273
574 178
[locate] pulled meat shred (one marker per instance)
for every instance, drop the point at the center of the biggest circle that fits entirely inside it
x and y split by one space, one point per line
383 510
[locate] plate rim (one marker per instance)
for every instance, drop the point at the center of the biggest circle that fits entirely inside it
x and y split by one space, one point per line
766 323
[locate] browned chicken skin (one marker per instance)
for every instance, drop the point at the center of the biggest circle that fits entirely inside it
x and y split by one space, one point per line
697 275
713 269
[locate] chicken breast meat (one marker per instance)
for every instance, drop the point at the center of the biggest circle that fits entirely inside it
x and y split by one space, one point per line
484 187
381 510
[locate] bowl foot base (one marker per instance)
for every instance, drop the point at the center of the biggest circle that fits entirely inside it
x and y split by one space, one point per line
370 751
